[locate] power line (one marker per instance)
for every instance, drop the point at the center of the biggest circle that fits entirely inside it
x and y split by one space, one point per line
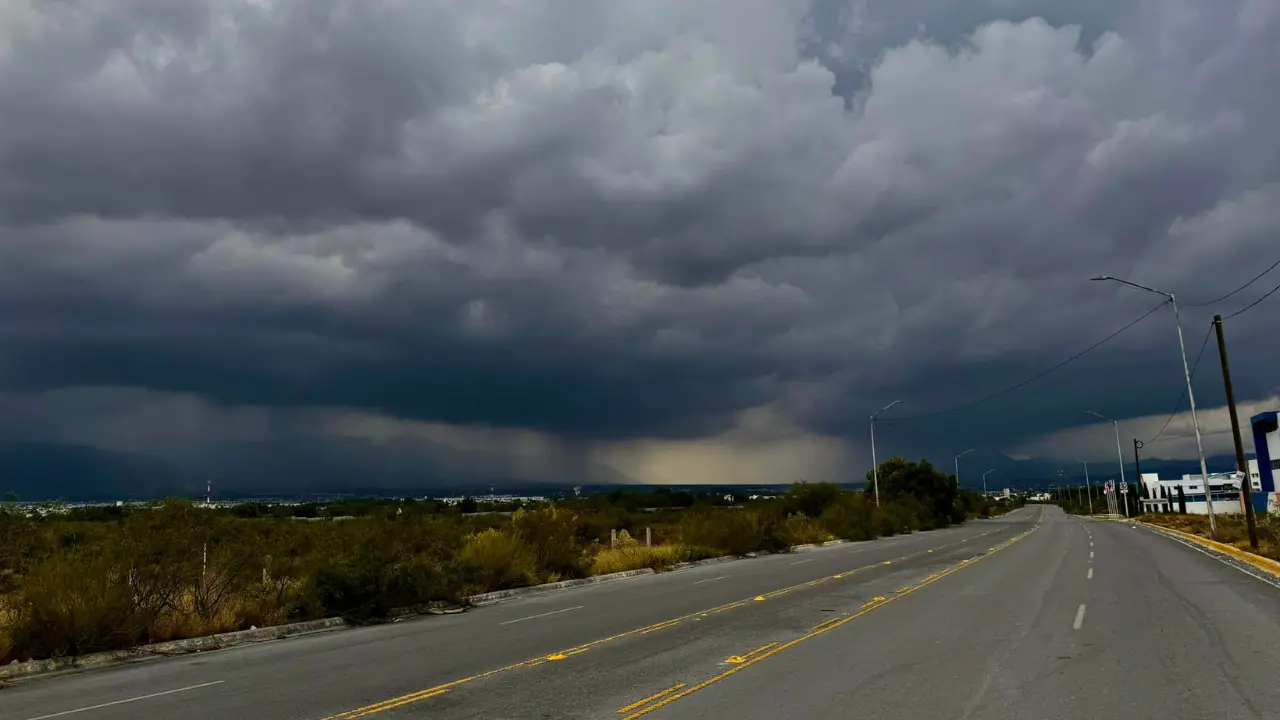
1183 393
1030 380
1190 437
1255 279
1255 302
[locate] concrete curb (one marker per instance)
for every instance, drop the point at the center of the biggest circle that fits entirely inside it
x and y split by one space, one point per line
490 598
809 546
172 647
1263 564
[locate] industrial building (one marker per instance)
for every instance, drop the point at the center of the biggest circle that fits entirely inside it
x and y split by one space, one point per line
1224 488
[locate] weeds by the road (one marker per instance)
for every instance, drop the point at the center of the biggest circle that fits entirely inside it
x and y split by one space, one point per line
106 579
1231 529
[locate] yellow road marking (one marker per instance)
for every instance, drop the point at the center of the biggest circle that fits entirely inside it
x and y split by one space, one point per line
734 659
398 704
827 622
651 698
785 646
541 659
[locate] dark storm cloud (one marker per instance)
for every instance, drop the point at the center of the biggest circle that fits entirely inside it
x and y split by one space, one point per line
633 219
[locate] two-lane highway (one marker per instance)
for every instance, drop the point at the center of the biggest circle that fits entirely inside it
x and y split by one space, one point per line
1036 614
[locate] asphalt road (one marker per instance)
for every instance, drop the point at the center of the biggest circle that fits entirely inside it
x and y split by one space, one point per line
1032 615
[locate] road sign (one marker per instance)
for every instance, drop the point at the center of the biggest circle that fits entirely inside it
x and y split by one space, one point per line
1124 488
1110 487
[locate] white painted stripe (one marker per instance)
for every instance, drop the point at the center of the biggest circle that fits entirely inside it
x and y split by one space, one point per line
1090 543
531 617
699 582
801 562
129 700
1090 576
1079 618
1090 554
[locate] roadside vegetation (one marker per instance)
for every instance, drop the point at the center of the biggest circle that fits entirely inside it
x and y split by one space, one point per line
1231 530
108 578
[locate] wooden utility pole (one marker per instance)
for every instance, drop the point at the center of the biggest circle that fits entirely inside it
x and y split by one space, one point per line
1137 470
1241 465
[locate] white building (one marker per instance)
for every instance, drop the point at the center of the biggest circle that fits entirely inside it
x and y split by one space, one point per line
1162 495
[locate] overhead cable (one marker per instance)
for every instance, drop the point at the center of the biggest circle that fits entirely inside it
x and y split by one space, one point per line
1032 379
1255 279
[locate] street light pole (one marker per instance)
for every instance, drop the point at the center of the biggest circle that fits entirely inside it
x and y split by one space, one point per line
1191 393
875 469
984 481
966 452
1119 455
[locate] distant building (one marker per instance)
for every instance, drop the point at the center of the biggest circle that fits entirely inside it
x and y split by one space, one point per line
1225 488
1162 495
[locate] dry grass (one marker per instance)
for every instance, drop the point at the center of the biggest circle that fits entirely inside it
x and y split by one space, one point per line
634 557
7 620
1231 529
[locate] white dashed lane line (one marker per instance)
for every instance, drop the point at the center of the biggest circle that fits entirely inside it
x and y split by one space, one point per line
1079 618
699 582
541 615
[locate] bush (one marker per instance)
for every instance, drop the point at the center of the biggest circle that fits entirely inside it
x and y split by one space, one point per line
552 533
851 517
501 559
635 556
732 532
75 603
801 530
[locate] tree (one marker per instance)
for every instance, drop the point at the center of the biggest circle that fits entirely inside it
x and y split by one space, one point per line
902 480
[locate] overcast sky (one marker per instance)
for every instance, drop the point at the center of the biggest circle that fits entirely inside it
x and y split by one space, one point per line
688 240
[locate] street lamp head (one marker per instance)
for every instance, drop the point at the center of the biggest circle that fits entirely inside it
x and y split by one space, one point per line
886 407
1102 277
1097 415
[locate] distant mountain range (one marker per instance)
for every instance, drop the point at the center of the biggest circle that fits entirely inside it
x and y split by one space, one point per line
49 471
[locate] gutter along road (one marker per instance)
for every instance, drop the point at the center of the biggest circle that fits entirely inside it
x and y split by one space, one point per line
1035 614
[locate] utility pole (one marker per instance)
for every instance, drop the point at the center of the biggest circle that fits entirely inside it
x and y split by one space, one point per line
1241 466
1137 469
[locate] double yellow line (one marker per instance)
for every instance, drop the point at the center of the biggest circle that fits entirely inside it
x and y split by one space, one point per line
437 690
825 627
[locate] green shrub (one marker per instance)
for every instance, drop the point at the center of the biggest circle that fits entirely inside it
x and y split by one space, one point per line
851 517
799 529
75 603
552 533
501 559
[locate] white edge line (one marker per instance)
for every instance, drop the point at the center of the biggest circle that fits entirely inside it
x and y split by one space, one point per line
699 582
128 700
553 612
801 562
1250 572
1079 618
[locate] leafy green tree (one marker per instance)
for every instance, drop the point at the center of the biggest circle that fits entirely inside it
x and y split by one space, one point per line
904 481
